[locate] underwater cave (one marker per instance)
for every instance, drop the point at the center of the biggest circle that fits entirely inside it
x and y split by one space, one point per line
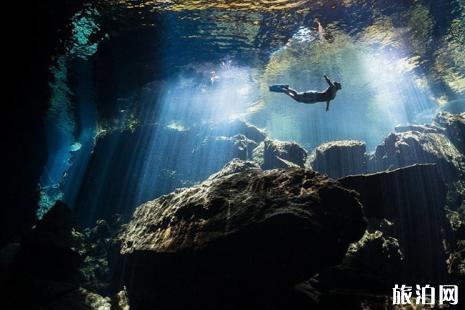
275 154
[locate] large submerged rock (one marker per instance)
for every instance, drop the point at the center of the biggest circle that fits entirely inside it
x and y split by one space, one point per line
372 266
418 147
45 270
235 166
238 127
413 199
274 154
238 146
234 239
454 128
340 158
404 241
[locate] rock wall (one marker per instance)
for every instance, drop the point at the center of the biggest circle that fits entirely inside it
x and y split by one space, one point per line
44 27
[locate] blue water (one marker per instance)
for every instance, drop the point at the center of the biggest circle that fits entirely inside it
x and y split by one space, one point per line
399 64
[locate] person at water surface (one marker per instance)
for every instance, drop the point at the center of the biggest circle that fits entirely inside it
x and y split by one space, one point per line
310 97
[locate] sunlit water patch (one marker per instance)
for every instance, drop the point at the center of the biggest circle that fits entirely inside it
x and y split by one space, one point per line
382 87
398 62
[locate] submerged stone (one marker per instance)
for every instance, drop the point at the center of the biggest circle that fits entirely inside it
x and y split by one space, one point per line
340 158
372 265
274 154
236 237
414 199
454 126
235 166
238 127
414 147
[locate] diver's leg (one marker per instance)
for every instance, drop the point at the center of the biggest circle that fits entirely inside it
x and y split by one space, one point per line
291 93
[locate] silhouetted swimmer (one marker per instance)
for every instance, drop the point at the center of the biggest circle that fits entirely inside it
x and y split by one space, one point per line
310 97
324 35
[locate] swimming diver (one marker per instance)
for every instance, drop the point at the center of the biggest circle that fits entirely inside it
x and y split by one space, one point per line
325 36
310 97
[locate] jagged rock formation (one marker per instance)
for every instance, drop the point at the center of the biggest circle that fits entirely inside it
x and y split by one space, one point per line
239 127
24 121
58 267
45 266
403 242
237 146
440 142
381 193
80 299
235 166
413 199
99 248
456 245
454 128
414 232
413 147
273 154
404 206
374 261
234 239
339 158
420 128
365 276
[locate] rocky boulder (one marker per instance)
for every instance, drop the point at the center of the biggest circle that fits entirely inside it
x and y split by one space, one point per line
372 267
79 299
47 250
339 158
238 127
46 265
403 242
413 199
58 267
274 154
364 280
420 128
454 128
415 147
232 240
238 146
235 166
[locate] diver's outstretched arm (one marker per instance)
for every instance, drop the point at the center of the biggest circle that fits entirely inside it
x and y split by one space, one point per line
327 105
328 81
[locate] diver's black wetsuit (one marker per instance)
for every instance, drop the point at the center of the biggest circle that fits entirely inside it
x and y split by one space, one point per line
310 97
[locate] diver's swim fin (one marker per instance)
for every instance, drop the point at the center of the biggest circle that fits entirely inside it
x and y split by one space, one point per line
278 88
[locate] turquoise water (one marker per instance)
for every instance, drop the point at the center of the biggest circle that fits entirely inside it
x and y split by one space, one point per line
399 62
